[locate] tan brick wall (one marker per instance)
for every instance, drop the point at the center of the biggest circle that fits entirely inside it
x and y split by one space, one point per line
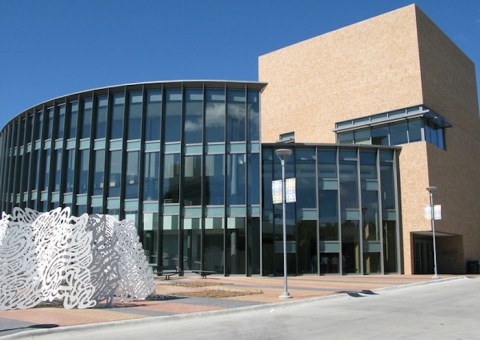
413 168
366 68
449 88
392 61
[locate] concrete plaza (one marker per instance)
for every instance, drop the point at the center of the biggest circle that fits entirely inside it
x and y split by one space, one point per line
191 294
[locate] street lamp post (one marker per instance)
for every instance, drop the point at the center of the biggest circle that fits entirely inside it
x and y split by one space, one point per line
431 190
282 155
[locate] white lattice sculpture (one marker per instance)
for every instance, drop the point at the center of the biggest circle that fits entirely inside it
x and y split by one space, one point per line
80 260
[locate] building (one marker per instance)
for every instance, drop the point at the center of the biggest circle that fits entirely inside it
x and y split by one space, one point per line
375 113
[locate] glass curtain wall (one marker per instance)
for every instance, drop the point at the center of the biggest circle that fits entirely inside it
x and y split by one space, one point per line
345 218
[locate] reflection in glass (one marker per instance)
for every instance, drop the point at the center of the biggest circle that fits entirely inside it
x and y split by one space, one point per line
193 116
72 128
170 256
151 176
36 176
29 130
86 117
235 179
84 163
398 133
173 115
115 175
235 245
70 170
117 116
387 180
345 138
214 177
171 170
253 115
349 203
101 123
329 263
350 247
414 130
213 244
131 177
253 178
390 246
236 115
305 178
253 245
98 179
380 135
307 247
153 115
192 181
46 176
61 121
150 237
192 237
50 123
58 170
370 213
39 133
215 115
134 125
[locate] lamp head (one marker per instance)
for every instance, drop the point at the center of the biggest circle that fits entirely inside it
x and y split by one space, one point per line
432 189
283 153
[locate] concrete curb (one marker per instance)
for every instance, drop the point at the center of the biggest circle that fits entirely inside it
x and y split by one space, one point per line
275 305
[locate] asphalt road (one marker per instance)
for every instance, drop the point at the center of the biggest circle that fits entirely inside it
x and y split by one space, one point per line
441 310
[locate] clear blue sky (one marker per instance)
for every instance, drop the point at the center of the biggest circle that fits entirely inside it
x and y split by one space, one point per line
54 47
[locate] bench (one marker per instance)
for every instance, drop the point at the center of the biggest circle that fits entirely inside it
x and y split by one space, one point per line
168 271
203 273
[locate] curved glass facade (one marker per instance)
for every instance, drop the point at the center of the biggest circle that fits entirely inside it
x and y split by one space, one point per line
180 159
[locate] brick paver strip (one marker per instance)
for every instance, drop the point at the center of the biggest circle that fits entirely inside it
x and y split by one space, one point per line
300 287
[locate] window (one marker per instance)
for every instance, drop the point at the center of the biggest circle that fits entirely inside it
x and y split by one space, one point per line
171 170
236 179
173 115
192 182
253 116
215 116
135 115
151 176
72 122
117 116
153 115
87 118
380 135
193 116
61 121
101 125
58 170
236 115
215 176
131 176
398 133
98 180
84 164
70 170
115 173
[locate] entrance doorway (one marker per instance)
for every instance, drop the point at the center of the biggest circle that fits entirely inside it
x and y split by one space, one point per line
423 254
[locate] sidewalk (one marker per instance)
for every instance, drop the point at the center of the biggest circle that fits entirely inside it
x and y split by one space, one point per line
190 294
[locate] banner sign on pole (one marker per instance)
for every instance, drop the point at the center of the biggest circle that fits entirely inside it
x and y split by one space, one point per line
290 190
437 212
277 191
